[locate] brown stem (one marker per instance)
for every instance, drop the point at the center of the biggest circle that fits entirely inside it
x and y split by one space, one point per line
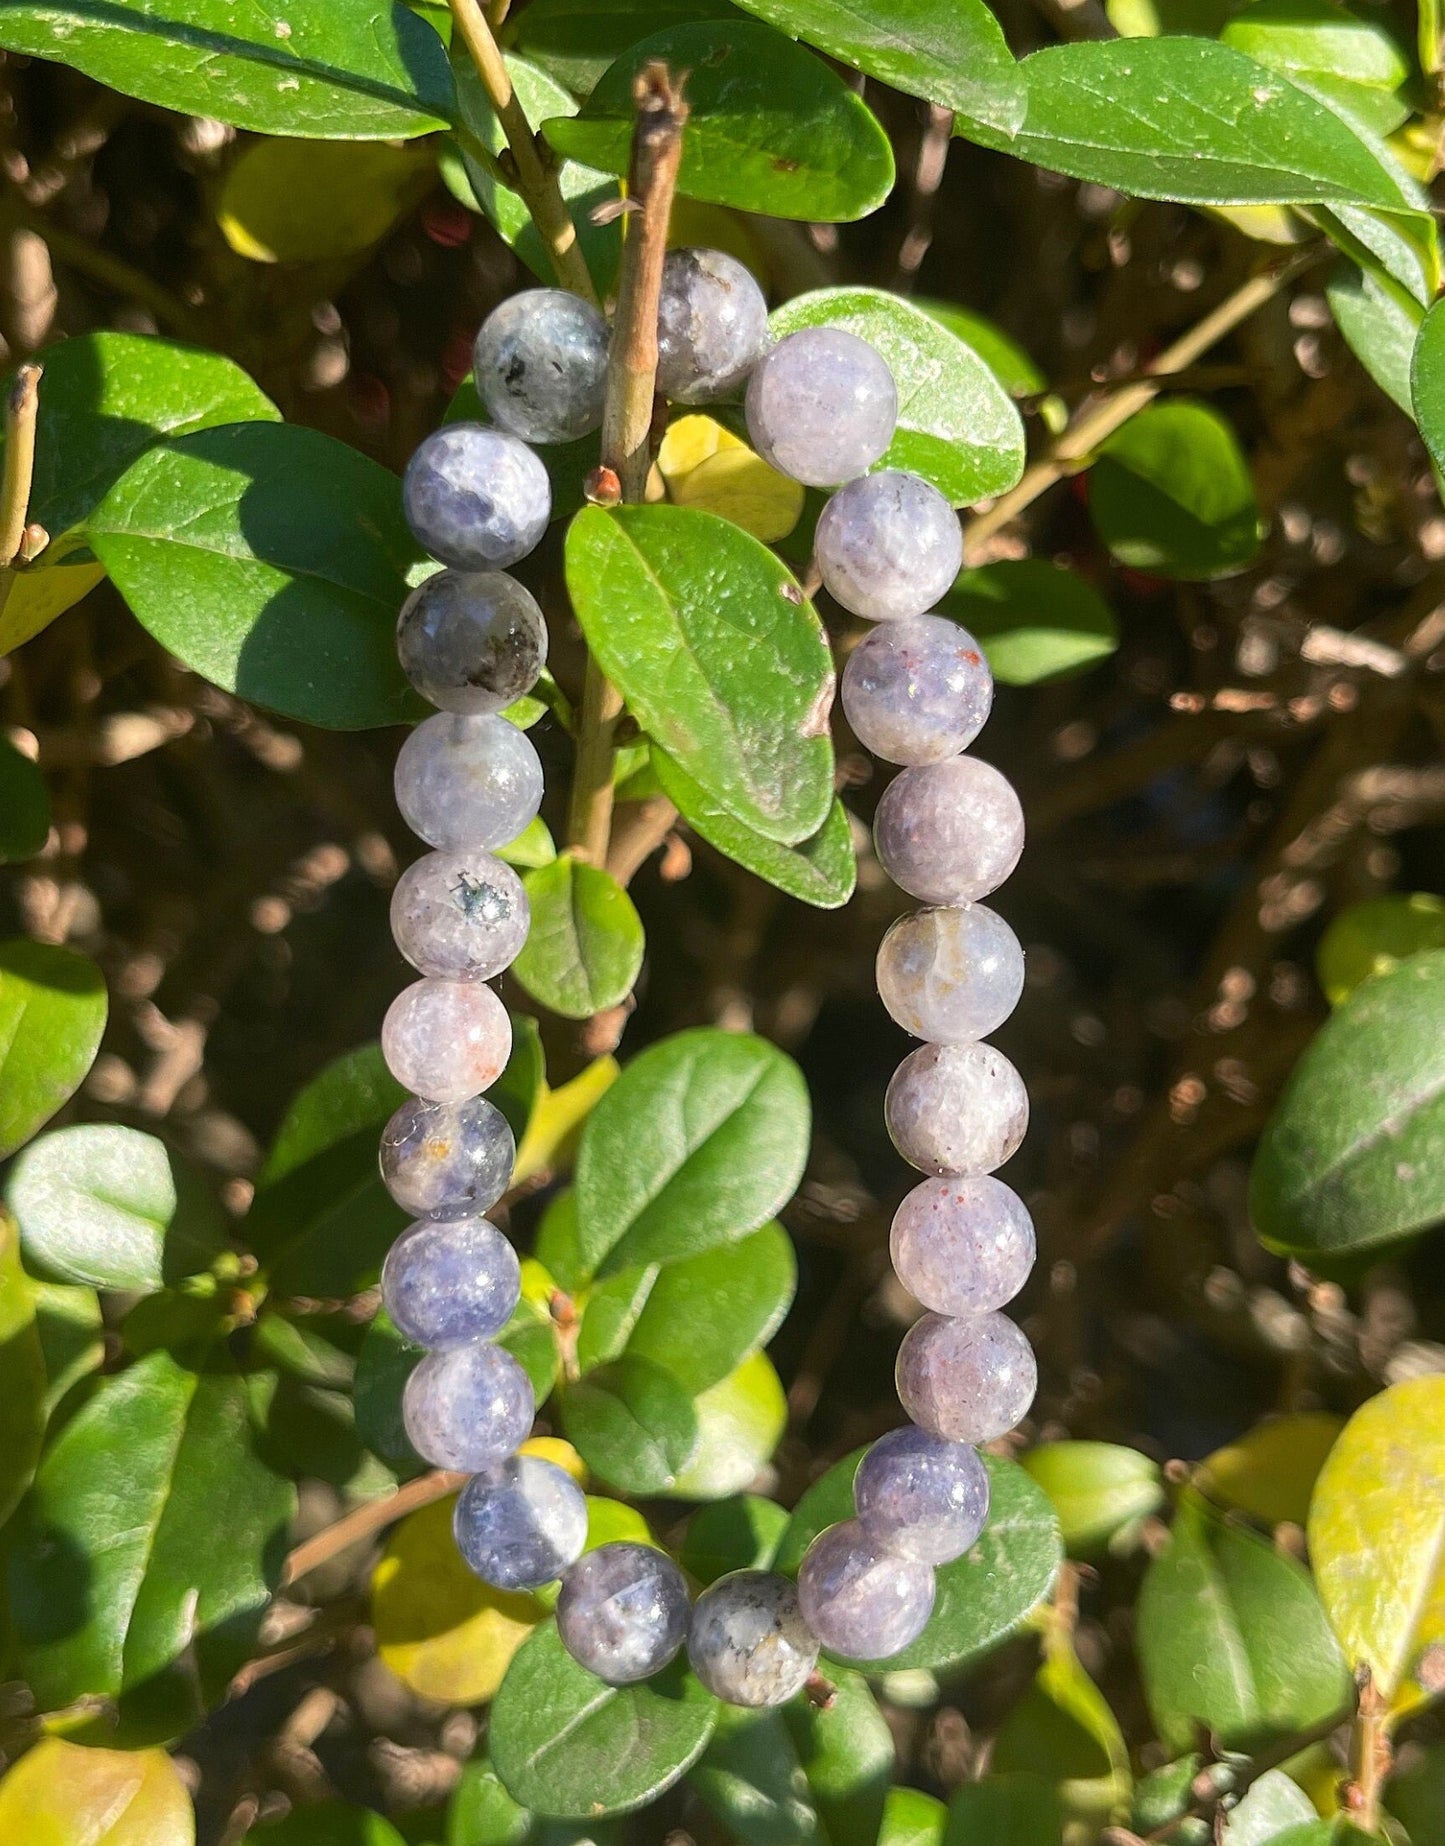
1373 1755
363 1521
21 410
644 827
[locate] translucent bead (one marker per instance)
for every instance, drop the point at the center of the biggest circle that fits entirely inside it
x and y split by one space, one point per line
956 1109
541 365
888 545
446 1040
712 326
475 497
447 1159
949 832
468 781
822 406
460 916
748 1642
969 1380
623 1612
471 641
963 1245
447 1284
917 691
521 1523
862 1602
467 1408
951 975
920 1497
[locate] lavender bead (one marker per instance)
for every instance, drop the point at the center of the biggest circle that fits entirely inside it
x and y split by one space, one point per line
446 1040
471 641
951 975
888 545
475 497
541 365
748 1642
967 1380
447 1159
468 781
460 916
962 1245
949 832
521 1523
862 1602
956 1109
712 326
920 1497
623 1612
467 1408
917 691
822 406
447 1284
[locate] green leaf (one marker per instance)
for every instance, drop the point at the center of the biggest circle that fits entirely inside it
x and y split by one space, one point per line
152 1532
534 845
718 654
987 1594
821 871
24 805
584 951
1270 1805
957 425
949 52
351 73
114 1207
1034 620
1399 247
751 1780
1427 383
482 1813
1171 492
1380 324
1416 1796
846 1753
911 1818
519 1088
565 1744
22 1374
1099 1490
740 1422
728 1126
632 1423
52 1015
742 1533
383 1365
771 128
1012 1810
1231 1635
576 40
1064 1723
1375 936
68 1322
326 1823
1013 367
1350 1159
1318 38
272 560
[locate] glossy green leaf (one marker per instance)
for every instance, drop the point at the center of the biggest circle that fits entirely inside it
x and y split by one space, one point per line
957 425
52 1015
1063 1728
1375 936
911 1818
576 40
1270 1471
534 845
1231 1635
1427 383
751 1780
1351 1158
633 1424
22 1374
326 1823
728 1128
1312 38
1171 492
1100 1490
482 1813
1034 620
565 1744
740 1422
1001 353
272 560
114 1207
68 1323
24 805
846 1754
584 951
771 129
723 662
1011 1810
1270 1805
522 1084
986 1595
1380 324
383 1365
821 871
347 72
741 1533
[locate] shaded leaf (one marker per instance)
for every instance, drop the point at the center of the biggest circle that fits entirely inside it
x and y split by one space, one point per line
740 1422
1063 1723
1380 324
1171 492
846 1753
60 1794
326 1823
24 803
1034 620
584 951
22 1376
287 201
1012 1810
822 871
52 1014
1270 1471
742 1533
576 40
1374 937
1100 1490
633 1424
68 1324
911 1818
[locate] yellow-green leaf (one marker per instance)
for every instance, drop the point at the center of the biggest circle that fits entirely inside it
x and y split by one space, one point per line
60 1794
22 1374
740 1422
1270 1472
558 1114
285 201
1375 936
706 466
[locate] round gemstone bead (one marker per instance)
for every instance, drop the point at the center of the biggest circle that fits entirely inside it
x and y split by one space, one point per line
446 1040
448 1284
467 1408
521 1523
748 1642
949 832
476 498
471 641
862 1602
822 406
447 1159
541 365
459 916
712 326
920 1497
888 545
962 1245
951 975
917 691
968 1380
473 782
623 1612
956 1109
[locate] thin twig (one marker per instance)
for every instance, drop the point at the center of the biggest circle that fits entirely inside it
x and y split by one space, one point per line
22 408
1373 1754
363 1521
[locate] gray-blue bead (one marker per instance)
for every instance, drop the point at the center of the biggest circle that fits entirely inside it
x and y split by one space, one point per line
467 1408
476 498
920 1497
471 641
712 326
447 1159
521 1524
862 1602
541 365
446 1284
623 1612
748 1642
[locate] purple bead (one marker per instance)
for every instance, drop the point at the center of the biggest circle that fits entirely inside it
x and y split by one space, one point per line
949 832
862 1602
963 1245
449 1284
712 326
967 1380
476 498
447 1160
471 641
468 783
956 1109
920 1497
623 1612
467 1408
521 1523
822 406
460 916
917 691
748 1642
951 975
888 546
